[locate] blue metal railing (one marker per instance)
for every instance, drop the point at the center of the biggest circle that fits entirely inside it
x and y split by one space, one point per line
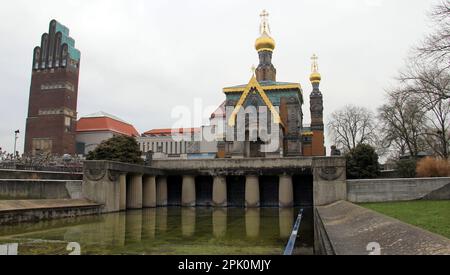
291 244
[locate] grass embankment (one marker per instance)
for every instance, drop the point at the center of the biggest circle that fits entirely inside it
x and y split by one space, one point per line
433 216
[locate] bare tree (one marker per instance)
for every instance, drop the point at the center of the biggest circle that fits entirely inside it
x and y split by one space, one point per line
402 123
416 116
437 45
431 86
351 126
438 124
426 80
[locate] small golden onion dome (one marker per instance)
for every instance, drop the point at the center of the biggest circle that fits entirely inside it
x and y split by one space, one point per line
265 43
315 77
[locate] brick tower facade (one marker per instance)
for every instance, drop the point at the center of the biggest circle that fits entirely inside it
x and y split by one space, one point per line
316 105
52 110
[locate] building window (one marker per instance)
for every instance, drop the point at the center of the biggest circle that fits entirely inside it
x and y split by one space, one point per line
67 121
160 147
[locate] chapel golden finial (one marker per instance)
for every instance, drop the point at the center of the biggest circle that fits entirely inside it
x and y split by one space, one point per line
264 28
315 75
265 42
253 69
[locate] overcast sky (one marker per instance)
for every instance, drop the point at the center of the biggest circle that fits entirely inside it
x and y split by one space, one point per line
140 59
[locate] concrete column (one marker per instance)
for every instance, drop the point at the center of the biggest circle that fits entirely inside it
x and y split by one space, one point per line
252 222
188 220
134 192
252 198
149 192
188 192
161 191
286 191
123 192
219 220
220 192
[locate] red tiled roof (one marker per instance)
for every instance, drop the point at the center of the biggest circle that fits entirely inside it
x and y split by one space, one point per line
170 132
97 124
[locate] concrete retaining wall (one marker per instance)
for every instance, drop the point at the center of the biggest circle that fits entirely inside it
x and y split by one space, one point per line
322 242
38 175
35 215
16 189
384 190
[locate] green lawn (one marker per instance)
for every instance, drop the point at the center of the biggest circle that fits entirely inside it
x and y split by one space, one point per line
433 216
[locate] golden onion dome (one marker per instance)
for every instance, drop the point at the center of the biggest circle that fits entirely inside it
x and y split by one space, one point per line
315 77
265 43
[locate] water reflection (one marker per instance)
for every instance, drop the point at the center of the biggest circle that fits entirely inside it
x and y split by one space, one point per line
188 220
219 221
169 231
286 219
161 219
252 222
133 230
149 224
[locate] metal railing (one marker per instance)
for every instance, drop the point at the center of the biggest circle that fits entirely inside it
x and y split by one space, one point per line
291 244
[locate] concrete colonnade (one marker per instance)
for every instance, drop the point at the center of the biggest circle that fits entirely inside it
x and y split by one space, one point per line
142 191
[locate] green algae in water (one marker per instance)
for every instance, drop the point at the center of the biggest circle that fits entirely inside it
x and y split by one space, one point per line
166 231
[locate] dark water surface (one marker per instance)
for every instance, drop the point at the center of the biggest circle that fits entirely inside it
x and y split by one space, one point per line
167 231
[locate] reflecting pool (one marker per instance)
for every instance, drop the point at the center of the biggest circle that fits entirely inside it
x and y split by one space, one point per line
166 231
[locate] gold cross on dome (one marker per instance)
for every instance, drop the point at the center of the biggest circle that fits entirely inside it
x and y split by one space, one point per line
253 69
265 22
315 63
264 15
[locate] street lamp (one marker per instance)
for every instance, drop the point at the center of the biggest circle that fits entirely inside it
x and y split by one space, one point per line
16 137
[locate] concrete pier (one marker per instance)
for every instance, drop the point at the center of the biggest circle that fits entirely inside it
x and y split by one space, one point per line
134 192
149 192
286 191
161 191
123 192
188 192
220 192
252 197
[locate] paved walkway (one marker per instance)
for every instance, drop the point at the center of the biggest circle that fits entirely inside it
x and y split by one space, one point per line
352 228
